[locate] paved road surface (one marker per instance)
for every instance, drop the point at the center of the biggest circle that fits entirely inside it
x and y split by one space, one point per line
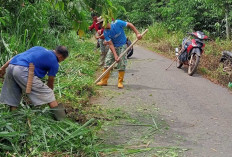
198 111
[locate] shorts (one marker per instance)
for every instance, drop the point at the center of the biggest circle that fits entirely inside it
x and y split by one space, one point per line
104 48
110 58
15 84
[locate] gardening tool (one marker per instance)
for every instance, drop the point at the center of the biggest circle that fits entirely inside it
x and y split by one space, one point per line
122 54
59 112
30 78
3 69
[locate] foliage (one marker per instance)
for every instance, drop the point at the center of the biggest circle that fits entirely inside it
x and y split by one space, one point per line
141 13
203 15
77 10
33 132
75 77
27 25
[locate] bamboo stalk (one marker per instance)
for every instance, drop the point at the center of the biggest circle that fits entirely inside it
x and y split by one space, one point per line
122 54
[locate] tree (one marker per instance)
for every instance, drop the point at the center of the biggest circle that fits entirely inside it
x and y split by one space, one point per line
77 10
224 7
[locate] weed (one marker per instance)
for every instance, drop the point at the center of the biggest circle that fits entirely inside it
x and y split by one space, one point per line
33 131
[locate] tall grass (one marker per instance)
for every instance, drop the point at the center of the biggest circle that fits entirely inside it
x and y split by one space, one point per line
160 39
75 78
28 132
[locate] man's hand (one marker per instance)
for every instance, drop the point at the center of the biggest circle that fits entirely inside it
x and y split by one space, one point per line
99 32
3 68
105 42
139 36
2 72
51 80
116 58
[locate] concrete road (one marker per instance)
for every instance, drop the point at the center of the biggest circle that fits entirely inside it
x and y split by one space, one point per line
197 111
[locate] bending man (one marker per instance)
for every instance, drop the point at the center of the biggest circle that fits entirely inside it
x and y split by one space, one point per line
46 62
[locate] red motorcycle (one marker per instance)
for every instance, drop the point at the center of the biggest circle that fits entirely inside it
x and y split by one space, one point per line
191 51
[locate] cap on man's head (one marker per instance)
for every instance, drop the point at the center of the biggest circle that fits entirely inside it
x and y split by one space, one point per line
99 20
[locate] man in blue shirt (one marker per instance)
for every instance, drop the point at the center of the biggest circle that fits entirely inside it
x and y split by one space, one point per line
115 36
46 62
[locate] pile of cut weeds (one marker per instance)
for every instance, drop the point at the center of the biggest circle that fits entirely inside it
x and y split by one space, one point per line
31 132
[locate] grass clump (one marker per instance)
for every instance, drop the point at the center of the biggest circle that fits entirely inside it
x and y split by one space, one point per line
28 132
75 78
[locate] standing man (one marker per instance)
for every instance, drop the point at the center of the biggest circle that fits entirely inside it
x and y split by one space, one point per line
115 36
46 62
94 25
100 37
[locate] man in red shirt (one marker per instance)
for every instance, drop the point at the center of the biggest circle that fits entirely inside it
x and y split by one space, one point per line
100 37
94 24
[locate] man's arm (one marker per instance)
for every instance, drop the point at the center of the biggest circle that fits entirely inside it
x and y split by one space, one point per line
138 35
112 48
3 68
51 80
91 27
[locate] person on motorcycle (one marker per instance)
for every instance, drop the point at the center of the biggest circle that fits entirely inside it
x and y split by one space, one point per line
115 36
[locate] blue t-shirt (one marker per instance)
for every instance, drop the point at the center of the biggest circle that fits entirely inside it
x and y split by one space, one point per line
116 34
45 61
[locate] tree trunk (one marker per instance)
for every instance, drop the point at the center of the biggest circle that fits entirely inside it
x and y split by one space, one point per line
227 23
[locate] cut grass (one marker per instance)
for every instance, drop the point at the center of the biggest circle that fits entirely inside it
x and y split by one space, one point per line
30 132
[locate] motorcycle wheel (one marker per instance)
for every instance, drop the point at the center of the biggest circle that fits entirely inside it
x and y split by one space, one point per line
193 64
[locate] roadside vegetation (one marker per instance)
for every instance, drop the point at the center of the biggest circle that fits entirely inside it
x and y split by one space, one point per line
32 131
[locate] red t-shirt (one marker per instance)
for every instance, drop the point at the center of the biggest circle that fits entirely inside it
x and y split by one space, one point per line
94 26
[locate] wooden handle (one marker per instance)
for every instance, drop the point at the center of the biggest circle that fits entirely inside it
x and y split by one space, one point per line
122 54
30 78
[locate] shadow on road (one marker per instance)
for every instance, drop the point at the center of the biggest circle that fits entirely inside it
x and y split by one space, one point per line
185 69
142 87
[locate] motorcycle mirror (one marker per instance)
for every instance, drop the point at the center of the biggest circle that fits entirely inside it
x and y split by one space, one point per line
176 51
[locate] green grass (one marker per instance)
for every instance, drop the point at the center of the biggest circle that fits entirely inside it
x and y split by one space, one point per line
75 78
31 132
